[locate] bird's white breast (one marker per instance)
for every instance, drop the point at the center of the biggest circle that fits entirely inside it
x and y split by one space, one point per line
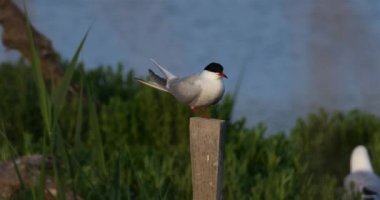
212 90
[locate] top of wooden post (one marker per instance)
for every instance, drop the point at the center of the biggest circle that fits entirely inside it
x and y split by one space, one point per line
202 120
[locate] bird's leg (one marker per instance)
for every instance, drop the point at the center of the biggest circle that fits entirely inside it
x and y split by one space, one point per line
205 112
194 109
202 110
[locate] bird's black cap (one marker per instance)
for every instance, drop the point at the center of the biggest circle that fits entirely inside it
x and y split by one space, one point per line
214 67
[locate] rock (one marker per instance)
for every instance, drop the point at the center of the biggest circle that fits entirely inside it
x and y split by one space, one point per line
29 168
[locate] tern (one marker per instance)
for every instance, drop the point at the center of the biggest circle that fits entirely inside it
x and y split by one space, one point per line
197 91
362 179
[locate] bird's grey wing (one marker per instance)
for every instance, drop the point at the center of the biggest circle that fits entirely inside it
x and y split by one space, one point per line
156 81
185 90
363 182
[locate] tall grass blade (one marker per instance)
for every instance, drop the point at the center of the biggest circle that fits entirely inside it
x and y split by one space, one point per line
13 160
59 182
44 101
18 174
42 179
79 120
60 154
94 127
239 82
72 172
42 93
64 86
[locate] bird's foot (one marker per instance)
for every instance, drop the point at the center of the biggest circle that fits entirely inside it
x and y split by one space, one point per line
203 111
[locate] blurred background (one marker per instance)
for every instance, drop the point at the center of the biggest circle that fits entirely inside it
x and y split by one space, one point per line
292 57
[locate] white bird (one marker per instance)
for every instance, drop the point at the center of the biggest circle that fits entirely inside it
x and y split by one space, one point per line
197 91
362 179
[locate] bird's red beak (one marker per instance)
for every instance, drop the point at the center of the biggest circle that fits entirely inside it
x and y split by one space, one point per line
222 75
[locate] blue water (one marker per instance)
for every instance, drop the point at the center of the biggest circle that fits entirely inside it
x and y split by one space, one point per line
294 56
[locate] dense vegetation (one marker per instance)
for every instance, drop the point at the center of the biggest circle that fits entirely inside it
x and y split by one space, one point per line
120 140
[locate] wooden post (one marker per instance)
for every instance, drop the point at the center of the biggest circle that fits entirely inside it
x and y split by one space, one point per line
206 148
